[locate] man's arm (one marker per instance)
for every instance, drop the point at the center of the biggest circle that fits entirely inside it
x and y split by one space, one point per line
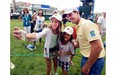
96 48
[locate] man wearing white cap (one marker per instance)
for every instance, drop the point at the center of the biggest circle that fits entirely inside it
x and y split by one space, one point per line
90 43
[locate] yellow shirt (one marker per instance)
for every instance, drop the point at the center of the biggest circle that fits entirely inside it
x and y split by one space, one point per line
88 31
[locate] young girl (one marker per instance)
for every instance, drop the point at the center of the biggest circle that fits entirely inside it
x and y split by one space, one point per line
26 19
66 49
51 38
39 23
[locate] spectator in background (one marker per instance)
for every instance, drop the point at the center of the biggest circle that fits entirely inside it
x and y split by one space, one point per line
83 15
64 19
11 14
33 23
90 16
101 22
20 12
96 18
55 12
38 16
26 19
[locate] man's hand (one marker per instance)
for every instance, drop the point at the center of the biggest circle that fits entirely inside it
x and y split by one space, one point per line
85 69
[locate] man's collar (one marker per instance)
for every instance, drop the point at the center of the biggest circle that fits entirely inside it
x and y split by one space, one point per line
80 22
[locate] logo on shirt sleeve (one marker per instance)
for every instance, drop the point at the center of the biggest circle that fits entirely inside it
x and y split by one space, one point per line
92 33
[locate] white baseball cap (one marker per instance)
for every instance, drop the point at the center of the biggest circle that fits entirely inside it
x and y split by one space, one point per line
68 30
71 9
57 16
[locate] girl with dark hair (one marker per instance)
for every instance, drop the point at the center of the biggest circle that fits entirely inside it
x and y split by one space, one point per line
39 18
66 49
26 19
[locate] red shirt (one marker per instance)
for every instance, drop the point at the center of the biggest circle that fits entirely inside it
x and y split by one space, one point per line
74 32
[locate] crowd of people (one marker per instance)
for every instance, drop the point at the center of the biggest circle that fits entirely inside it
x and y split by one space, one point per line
61 43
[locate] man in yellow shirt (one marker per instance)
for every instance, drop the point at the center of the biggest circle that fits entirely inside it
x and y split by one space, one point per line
89 42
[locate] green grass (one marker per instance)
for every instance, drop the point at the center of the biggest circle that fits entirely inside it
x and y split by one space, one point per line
33 63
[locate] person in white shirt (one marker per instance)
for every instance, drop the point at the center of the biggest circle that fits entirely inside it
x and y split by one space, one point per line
38 16
66 49
101 22
51 41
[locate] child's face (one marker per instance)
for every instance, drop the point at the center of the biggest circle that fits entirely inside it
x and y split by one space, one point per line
66 36
54 23
40 12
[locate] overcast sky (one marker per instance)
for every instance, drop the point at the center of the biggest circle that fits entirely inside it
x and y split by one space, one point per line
100 5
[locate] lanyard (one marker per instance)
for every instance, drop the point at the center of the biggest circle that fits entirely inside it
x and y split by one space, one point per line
26 16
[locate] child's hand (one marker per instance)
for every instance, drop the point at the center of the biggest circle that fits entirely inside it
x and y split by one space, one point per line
75 43
71 63
59 52
17 33
62 53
